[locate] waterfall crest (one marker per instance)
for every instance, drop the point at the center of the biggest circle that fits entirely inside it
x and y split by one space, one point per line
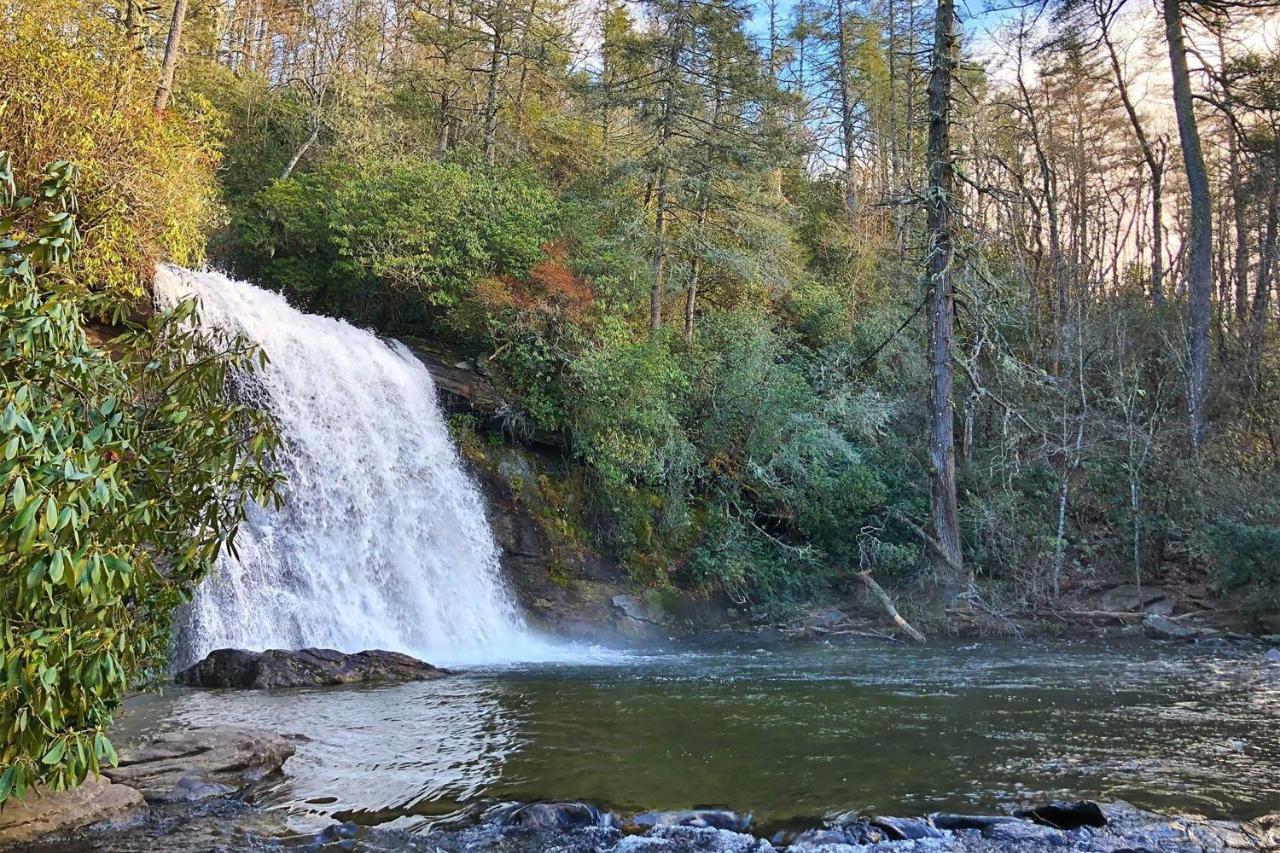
382 541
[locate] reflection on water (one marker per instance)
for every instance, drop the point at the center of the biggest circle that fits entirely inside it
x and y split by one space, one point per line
786 733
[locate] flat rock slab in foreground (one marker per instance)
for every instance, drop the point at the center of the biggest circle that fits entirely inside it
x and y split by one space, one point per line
200 763
278 668
41 814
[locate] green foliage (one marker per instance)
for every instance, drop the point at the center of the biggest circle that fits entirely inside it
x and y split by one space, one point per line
97 544
391 242
72 89
786 475
1244 553
626 417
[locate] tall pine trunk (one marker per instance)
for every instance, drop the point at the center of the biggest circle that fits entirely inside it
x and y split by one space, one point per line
170 64
491 98
944 510
1199 261
846 110
663 170
1262 285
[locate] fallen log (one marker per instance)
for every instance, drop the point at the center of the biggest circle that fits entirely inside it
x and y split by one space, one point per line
1088 615
887 603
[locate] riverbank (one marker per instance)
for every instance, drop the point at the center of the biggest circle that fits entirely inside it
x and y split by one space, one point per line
570 583
577 827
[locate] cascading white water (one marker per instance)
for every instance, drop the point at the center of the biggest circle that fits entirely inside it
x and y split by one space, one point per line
382 541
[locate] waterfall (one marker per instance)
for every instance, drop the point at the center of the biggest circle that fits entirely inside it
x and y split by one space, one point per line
382 541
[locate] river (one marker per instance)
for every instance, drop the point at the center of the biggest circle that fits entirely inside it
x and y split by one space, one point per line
790 734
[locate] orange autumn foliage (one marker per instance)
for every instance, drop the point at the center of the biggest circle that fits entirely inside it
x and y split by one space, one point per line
551 285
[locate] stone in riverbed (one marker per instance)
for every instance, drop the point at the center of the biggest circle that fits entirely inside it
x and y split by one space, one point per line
692 839
978 823
535 817
907 829
1066 815
1272 656
1025 835
816 838
200 763
276 668
97 801
1164 628
703 818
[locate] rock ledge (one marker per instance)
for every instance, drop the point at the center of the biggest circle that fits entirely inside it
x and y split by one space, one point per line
40 814
278 668
200 763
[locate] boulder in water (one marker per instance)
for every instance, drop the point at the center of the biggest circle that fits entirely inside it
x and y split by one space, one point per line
1163 628
277 668
200 763
42 813
692 839
537 817
1272 656
637 619
816 838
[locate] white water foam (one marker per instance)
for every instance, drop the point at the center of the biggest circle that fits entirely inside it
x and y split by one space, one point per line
382 541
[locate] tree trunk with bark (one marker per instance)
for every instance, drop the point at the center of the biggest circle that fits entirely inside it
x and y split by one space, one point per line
1266 273
1199 251
170 64
944 509
491 98
846 110
663 169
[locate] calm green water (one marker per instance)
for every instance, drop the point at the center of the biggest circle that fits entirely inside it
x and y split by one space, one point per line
785 733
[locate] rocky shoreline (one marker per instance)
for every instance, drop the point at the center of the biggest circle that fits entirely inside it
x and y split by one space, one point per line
217 819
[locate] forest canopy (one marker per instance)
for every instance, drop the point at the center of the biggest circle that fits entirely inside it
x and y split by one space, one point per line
699 241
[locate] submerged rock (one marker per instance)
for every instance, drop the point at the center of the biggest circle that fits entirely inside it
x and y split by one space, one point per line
816 838
277 668
701 818
692 839
547 816
1272 656
200 763
907 829
1066 815
1025 835
978 823
42 813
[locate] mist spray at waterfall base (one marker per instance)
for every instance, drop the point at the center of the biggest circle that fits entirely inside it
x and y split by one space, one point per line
382 540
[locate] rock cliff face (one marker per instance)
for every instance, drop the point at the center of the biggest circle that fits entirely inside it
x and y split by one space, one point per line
564 584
